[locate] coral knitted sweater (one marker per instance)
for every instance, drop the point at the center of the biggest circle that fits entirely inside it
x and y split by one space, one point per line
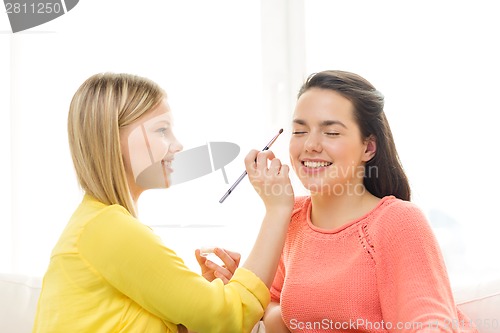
380 273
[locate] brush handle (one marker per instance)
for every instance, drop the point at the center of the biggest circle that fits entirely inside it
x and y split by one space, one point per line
240 178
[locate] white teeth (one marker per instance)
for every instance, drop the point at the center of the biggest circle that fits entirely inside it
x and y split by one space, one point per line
314 164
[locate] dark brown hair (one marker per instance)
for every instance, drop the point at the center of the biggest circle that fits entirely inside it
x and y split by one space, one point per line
368 102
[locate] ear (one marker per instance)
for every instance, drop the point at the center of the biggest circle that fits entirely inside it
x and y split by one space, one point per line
370 148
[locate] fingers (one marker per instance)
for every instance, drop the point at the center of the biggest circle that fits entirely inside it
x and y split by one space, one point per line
235 255
263 157
219 272
211 270
250 160
270 179
231 262
230 259
257 160
284 170
201 260
263 163
274 167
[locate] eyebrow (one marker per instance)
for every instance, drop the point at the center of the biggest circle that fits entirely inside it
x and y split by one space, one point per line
324 123
153 122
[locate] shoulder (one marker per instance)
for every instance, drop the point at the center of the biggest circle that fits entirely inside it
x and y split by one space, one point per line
397 212
110 230
397 219
98 217
401 239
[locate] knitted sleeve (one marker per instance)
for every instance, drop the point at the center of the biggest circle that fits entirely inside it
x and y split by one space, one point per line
414 289
130 257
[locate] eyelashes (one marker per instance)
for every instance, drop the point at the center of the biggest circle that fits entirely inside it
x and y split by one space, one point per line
162 131
326 133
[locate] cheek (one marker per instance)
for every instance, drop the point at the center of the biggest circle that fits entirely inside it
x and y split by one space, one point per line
159 148
340 150
294 150
348 160
138 152
295 146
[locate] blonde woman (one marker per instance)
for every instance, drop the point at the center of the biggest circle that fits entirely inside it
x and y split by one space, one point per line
110 273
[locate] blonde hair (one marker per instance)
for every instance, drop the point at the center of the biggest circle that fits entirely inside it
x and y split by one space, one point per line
100 107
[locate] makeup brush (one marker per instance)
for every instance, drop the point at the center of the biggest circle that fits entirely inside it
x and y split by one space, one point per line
245 173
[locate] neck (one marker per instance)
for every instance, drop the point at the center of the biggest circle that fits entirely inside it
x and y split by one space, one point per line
134 189
330 211
135 198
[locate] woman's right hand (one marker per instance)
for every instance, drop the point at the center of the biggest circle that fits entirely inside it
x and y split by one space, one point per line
270 179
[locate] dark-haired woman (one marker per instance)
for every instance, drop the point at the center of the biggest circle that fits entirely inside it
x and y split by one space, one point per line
358 255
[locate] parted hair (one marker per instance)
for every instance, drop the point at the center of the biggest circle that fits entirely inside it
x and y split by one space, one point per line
102 105
368 102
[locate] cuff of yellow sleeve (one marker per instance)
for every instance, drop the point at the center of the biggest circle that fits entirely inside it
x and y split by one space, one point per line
254 284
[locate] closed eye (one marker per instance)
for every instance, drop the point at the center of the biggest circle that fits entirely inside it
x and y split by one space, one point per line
332 133
298 132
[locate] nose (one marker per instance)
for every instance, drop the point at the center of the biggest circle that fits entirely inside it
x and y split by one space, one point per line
313 143
176 146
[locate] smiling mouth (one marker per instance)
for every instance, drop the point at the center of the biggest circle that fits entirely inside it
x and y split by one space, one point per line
315 164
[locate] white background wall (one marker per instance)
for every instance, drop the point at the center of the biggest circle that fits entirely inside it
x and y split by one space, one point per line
437 63
231 69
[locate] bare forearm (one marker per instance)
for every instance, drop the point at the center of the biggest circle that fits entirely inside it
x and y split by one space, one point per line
264 257
273 185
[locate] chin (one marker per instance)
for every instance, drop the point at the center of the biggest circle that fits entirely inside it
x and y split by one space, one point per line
322 188
315 188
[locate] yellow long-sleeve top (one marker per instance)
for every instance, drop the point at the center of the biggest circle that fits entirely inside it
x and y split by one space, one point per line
110 273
